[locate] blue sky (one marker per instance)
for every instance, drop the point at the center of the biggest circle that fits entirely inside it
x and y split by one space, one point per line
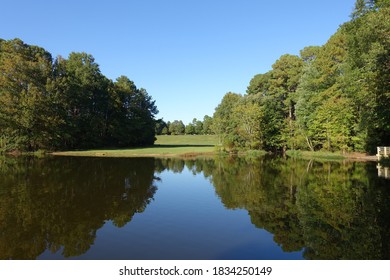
187 54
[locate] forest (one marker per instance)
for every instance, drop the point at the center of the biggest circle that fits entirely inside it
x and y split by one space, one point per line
334 97
54 104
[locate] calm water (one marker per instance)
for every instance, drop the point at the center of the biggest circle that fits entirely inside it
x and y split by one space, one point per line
269 208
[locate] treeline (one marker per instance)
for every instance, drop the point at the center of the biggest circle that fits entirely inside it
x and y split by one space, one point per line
59 103
333 97
177 127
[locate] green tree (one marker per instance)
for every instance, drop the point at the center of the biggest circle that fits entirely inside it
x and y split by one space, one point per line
135 124
368 71
88 99
224 123
260 83
27 120
198 126
332 124
177 127
160 125
249 115
286 74
207 125
325 114
272 124
168 128
165 131
362 7
308 102
67 103
333 97
190 129
309 54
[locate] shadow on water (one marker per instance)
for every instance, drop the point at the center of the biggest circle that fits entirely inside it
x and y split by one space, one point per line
326 210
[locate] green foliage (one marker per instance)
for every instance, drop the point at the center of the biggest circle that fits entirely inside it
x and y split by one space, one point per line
272 123
259 84
176 128
67 103
195 127
165 131
333 97
248 116
26 118
198 126
286 73
309 54
369 72
207 125
224 124
190 129
134 124
161 127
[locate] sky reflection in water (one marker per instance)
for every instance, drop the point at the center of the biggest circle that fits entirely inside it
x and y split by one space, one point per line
90 208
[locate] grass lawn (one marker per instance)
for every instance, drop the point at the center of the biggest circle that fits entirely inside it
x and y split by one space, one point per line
196 140
165 146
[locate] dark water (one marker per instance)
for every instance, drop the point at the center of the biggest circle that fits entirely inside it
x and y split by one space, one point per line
268 208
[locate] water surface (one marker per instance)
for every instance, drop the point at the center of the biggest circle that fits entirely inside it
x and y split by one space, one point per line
145 208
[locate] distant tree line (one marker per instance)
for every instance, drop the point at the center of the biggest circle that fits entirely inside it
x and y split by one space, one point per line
177 127
60 103
331 97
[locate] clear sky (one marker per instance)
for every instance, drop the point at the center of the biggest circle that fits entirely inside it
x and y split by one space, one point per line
186 53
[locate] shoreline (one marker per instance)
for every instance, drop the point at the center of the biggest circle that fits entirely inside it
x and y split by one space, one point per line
191 152
355 156
135 155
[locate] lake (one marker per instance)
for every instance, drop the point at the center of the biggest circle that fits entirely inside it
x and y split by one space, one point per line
223 208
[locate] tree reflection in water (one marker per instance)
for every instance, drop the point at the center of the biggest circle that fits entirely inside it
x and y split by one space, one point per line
328 210
60 203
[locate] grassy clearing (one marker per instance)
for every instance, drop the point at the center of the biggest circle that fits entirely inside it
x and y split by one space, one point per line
196 145
195 140
165 146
